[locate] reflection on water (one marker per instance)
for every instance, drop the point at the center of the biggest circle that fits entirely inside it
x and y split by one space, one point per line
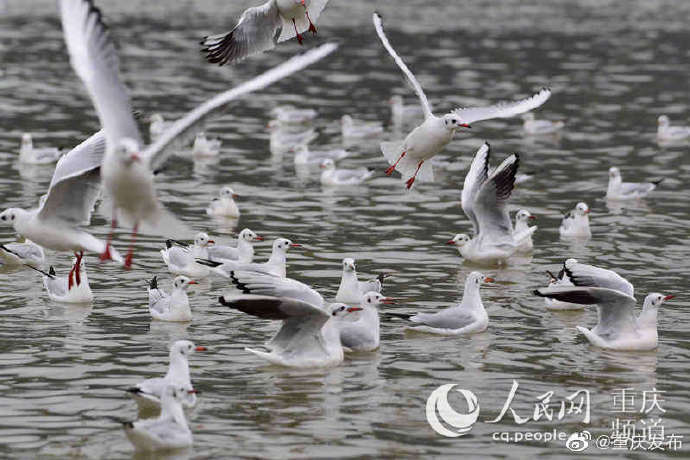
613 66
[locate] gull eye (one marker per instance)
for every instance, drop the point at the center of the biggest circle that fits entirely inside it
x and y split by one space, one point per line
4 217
368 300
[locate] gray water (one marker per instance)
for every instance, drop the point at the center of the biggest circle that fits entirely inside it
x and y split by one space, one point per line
614 66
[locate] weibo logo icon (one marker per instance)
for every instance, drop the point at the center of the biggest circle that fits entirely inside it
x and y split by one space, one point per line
459 423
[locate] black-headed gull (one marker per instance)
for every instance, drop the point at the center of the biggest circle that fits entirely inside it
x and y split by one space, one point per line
172 307
258 27
617 328
205 147
619 190
533 126
484 198
467 318
309 336
351 290
304 156
182 260
522 228
291 115
276 264
560 280
28 154
127 168
69 203
576 223
402 114
335 177
148 393
18 254
224 205
242 252
357 129
410 156
363 334
169 430
671 133
73 288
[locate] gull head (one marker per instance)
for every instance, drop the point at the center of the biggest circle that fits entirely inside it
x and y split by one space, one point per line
9 216
202 240
476 278
348 264
26 140
184 348
340 309
283 245
249 236
459 240
228 193
346 120
182 282
156 118
372 299
127 150
200 136
654 300
663 121
614 173
581 209
524 215
396 100
327 164
452 122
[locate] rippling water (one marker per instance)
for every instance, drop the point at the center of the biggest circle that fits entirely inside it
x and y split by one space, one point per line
614 67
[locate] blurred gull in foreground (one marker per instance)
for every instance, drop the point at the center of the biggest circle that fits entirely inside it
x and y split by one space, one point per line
18 254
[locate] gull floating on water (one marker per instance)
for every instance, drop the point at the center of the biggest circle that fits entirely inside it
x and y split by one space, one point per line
274 266
18 254
291 115
169 430
304 156
560 280
148 393
242 252
619 190
401 113
467 318
28 154
205 147
158 126
73 288
576 223
356 129
351 290
258 29
410 156
335 177
285 137
534 126
671 133
617 328
224 205
127 168
363 333
522 228
182 260
173 307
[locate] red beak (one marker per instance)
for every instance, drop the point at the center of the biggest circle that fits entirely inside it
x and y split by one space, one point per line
135 157
351 309
258 238
587 211
211 242
450 242
668 297
464 125
295 245
200 349
532 217
235 196
191 391
303 3
388 300
489 280
192 282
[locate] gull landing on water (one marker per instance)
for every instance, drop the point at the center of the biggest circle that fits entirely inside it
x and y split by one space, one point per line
410 156
257 29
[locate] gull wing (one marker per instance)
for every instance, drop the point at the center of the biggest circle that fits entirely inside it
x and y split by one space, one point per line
589 275
502 109
476 176
264 284
490 201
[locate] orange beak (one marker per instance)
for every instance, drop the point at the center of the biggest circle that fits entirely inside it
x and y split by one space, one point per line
668 297
200 349
489 280
353 309
235 196
587 211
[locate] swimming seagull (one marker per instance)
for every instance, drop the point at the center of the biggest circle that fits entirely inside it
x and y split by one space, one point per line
560 280
224 205
169 430
619 190
257 29
291 115
335 177
274 266
410 156
351 128
69 203
304 156
148 393
617 328
181 260
575 224
351 290
484 198
205 147
242 252
401 113
467 318
127 168
158 126
522 228
533 126
18 254
35 156
73 288
173 307
363 334
670 133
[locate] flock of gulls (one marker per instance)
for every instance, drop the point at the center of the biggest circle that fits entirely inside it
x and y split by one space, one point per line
116 167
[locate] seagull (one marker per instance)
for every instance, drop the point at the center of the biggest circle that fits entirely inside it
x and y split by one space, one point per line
401 113
522 218
484 197
309 336
158 126
352 128
258 29
619 190
363 333
274 266
576 223
291 115
617 328
304 156
335 177
224 205
243 252
30 155
73 288
560 281
205 147
351 290
426 140
169 430
533 126
467 318
173 307
69 203
19 254
181 260
148 393
670 133
127 168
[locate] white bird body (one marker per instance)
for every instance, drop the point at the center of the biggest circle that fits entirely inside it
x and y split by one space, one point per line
576 223
402 114
69 289
333 177
523 232
182 260
533 126
304 156
363 334
28 154
174 307
351 290
667 132
356 129
552 304
243 252
276 264
17 254
205 147
291 115
158 126
224 205
620 191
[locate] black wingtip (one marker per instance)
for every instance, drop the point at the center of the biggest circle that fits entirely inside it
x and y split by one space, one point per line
658 181
128 425
537 293
51 271
242 287
208 263
134 390
168 244
153 284
222 301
